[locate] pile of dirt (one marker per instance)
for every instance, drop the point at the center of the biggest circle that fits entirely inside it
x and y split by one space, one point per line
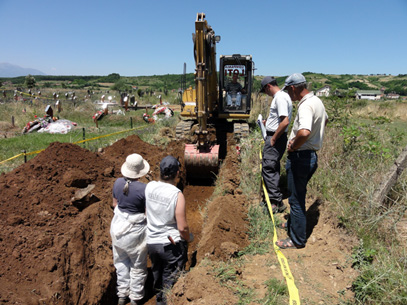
224 233
55 214
55 247
50 249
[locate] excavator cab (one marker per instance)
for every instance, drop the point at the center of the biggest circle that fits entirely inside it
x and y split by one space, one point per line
235 84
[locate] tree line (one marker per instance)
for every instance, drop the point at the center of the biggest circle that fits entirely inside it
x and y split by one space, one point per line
391 84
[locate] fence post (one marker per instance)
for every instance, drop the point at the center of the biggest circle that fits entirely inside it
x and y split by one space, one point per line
12 120
131 122
25 156
83 135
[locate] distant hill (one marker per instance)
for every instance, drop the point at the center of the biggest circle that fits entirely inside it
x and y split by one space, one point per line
341 83
9 70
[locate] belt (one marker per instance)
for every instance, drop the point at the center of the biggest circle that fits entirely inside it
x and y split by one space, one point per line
270 133
302 153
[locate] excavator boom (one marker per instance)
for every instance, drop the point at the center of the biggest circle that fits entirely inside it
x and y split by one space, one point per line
203 154
204 108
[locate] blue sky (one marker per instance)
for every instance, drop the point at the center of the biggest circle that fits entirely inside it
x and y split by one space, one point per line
133 38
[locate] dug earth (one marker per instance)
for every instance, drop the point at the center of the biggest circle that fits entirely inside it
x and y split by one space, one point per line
55 214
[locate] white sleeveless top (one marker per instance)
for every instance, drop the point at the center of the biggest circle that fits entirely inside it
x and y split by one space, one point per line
161 200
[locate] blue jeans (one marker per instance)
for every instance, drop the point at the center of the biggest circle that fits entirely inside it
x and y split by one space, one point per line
300 167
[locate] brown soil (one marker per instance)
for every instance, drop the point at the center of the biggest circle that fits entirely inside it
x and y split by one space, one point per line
57 250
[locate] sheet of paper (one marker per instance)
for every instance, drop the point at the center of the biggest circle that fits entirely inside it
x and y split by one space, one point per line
262 127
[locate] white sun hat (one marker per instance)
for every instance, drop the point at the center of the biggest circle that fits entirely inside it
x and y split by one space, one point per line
135 166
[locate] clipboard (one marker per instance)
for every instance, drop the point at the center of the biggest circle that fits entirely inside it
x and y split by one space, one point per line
262 127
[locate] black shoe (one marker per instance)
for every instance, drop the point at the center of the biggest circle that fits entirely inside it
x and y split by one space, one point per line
278 208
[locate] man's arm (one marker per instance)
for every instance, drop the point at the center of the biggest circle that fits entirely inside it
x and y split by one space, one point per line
284 121
300 138
181 217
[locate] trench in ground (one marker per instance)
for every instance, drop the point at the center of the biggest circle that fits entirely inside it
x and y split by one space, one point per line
197 192
196 197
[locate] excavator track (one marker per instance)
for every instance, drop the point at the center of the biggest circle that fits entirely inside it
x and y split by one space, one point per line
183 129
241 130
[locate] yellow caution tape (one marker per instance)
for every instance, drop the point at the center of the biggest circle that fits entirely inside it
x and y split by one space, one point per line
4 161
108 135
34 152
285 268
35 96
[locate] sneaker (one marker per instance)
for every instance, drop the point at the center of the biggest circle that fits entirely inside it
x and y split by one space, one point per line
278 208
122 301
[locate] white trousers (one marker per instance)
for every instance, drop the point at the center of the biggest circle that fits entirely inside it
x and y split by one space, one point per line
128 234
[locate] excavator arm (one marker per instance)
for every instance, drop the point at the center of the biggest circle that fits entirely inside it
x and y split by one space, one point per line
205 76
204 154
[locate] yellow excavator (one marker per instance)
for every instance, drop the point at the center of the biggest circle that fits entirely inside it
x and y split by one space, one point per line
219 102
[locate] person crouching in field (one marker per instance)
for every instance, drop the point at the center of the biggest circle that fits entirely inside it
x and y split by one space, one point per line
128 230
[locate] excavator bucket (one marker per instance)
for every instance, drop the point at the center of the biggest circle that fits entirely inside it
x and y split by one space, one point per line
202 164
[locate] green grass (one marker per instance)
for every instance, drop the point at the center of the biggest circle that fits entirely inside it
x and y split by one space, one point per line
277 292
86 129
356 155
227 273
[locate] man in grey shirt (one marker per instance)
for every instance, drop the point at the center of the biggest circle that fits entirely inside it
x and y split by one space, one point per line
305 140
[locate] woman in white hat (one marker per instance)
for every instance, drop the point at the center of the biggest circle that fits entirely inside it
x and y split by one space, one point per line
128 230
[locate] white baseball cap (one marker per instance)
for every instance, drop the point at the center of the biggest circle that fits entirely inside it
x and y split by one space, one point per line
294 79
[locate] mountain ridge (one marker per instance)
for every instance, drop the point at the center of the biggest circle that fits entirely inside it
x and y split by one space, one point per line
10 70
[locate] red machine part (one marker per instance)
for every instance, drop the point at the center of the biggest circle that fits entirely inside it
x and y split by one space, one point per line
195 158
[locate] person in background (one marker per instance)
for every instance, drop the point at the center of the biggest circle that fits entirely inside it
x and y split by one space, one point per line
167 228
276 141
128 230
305 140
234 90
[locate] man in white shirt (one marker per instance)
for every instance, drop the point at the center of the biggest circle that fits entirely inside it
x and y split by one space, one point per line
305 139
276 140
167 228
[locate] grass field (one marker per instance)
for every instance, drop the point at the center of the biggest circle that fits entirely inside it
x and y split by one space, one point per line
118 122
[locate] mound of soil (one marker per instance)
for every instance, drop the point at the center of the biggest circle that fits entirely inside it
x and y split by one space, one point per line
50 249
55 246
55 213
